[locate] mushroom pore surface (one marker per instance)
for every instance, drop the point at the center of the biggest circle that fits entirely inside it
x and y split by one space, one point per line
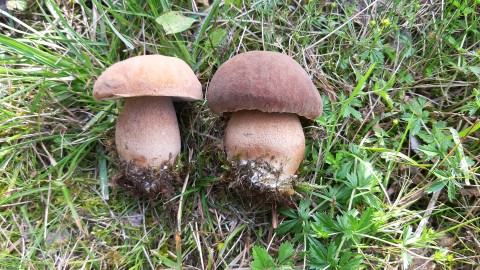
147 131
275 138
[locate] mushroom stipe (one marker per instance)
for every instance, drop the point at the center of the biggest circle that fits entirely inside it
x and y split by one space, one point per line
275 138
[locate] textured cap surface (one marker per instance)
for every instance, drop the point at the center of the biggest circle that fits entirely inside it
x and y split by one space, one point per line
148 75
265 81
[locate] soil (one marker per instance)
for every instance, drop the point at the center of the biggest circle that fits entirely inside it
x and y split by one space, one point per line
153 183
248 178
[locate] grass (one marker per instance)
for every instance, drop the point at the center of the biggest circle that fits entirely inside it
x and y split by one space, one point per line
391 174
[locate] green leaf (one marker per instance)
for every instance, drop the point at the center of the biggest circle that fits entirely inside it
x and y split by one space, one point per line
296 218
475 70
349 262
285 254
429 150
469 130
205 25
443 175
365 221
317 255
293 225
103 175
50 59
452 41
376 56
384 91
406 259
237 3
20 5
464 168
452 189
173 22
304 209
353 112
436 186
261 259
326 223
217 37
165 260
361 83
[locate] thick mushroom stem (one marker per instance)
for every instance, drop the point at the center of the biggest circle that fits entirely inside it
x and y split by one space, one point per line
147 131
276 139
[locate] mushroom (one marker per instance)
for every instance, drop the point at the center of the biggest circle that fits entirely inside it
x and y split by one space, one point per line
265 92
147 131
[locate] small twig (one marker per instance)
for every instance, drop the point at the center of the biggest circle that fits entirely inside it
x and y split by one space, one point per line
180 204
317 164
196 237
427 214
471 155
148 258
52 160
178 233
47 206
274 216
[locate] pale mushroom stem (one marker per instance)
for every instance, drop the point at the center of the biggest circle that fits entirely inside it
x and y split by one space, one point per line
274 138
147 131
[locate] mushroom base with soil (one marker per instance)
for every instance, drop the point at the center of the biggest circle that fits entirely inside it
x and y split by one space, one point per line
148 182
147 140
271 144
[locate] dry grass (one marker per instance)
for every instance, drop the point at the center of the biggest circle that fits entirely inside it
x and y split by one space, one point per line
55 139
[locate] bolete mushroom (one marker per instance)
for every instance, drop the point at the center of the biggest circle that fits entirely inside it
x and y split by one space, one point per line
147 131
265 92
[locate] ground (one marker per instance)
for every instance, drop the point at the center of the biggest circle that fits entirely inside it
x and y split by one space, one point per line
390 179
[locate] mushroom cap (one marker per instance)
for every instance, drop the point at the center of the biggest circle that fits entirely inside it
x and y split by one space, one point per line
148 75
265 81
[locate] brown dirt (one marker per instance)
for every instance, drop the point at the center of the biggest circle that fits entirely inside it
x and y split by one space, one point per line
245 178
147 182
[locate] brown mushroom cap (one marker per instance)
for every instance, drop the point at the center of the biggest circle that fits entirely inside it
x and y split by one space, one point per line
265 81
148 75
